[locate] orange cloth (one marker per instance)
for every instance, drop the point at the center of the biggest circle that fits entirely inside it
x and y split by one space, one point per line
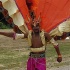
52 12
34 4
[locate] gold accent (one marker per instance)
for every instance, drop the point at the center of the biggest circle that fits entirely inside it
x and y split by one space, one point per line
23 28
53 42
37 49
29 38
42 37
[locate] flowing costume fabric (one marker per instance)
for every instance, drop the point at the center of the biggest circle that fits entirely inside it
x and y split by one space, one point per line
36 63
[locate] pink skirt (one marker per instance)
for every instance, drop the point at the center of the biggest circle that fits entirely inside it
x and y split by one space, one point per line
36 64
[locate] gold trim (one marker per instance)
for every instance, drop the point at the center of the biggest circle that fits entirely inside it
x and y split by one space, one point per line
37 49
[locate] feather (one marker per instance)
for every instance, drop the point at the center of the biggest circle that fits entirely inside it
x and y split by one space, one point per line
14 12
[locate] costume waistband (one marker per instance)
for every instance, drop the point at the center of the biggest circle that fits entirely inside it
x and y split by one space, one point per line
37 49
37 55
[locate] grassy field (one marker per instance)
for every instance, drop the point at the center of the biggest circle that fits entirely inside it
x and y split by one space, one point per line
14 54
52 56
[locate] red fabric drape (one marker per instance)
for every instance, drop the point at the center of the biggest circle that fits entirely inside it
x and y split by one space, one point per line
52 12
21 4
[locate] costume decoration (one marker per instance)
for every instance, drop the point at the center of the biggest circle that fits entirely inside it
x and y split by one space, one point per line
54 14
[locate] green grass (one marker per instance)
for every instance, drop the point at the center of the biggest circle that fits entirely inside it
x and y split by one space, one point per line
3 26
52 56
11 58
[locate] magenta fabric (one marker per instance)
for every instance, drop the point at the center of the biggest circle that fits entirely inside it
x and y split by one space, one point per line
36 64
